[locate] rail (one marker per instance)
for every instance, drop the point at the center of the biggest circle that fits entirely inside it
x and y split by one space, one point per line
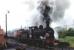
52 48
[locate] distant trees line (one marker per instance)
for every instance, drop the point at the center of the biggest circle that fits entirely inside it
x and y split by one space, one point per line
65 32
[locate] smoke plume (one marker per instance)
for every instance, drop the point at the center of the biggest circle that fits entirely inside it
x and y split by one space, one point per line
37 7
56 12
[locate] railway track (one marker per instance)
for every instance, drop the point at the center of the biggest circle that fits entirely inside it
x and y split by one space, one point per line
31 48
13 45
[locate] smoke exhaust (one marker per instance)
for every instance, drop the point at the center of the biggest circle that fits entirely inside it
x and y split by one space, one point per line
52 10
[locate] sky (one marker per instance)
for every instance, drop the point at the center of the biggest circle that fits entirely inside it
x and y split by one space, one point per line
22 13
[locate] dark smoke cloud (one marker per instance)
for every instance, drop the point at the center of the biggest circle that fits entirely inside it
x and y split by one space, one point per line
57 10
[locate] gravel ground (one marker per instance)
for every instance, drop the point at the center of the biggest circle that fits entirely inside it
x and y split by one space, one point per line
14 44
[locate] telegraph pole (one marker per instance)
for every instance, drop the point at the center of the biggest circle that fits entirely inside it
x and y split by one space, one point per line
6 22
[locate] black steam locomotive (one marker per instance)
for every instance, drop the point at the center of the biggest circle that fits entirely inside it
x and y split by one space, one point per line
37 36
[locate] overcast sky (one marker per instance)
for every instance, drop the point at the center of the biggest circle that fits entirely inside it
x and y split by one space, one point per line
22 11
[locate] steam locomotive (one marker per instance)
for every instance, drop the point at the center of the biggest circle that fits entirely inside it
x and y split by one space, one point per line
36 36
